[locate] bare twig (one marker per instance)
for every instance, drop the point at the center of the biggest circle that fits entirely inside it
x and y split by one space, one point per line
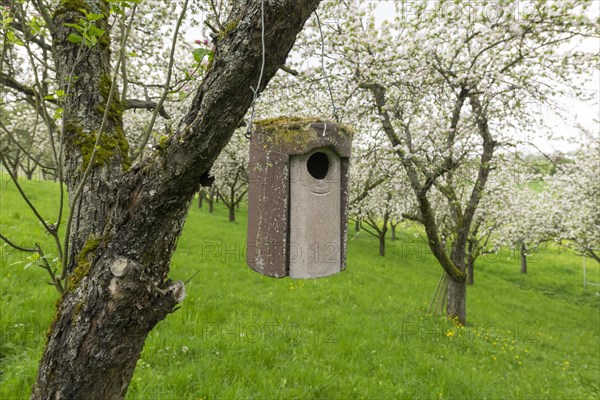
262 70
289 70
16 246
146 136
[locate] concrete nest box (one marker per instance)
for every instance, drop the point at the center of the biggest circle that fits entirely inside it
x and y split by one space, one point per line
298 197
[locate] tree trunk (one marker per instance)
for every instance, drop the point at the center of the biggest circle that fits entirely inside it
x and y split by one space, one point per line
232 213
457 300
382 245
457 288
523 258
200 198
357 225
128 220
393 232
211 201
470 271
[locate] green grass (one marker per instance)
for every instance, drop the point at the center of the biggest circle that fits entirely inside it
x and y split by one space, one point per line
359 334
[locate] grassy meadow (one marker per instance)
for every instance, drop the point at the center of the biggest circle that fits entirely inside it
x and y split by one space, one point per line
363 333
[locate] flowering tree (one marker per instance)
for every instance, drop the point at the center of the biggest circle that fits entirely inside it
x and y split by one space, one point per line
574 192
230 171
23 144
524 219
445 88
376 191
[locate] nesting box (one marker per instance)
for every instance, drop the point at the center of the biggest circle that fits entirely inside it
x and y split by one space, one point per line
298 198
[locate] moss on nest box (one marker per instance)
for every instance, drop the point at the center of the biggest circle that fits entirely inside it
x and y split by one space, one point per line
295 131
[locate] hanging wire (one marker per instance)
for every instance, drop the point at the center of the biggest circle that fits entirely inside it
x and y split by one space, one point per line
334 109
262 70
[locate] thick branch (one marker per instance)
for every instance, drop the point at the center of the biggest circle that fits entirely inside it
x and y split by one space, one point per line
366 190
482 176
133 104
30 93
425 208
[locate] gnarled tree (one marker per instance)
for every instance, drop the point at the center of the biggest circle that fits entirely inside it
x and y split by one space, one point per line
127 218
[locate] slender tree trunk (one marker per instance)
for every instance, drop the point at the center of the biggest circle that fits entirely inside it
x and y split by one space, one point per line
357 225
470 271
382 246
14 164
231 204
523 254
200 198
211 201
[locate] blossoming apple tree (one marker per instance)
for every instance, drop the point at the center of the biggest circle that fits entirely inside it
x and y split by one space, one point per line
447 88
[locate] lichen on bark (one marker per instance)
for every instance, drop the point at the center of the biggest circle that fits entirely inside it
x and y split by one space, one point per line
83 262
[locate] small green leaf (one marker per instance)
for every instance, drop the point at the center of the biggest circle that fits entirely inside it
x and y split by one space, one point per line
94 17
74 38
77 27
200 53
58 113
95 31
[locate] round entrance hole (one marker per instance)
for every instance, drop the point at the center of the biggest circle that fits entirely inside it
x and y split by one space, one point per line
318 165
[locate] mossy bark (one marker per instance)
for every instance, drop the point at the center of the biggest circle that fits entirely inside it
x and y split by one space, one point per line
101 324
